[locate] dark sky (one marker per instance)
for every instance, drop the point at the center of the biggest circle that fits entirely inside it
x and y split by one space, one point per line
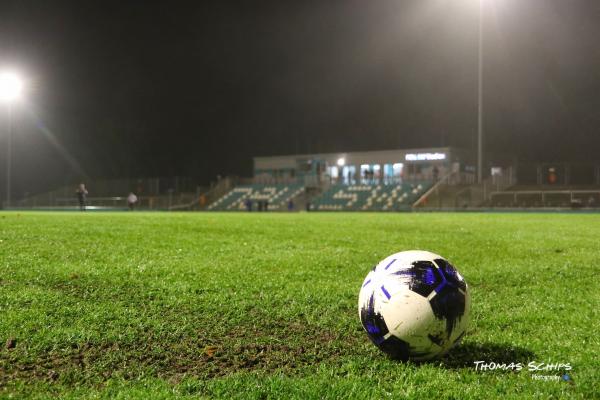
157 89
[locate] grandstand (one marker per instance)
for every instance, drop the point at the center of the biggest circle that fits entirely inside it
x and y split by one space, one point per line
384 180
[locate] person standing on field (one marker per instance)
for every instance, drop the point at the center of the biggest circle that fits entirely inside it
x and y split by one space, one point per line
81 193
132 200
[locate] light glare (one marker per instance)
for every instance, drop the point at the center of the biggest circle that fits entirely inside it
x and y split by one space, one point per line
11 87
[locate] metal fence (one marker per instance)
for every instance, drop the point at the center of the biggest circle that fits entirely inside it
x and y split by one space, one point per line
547 198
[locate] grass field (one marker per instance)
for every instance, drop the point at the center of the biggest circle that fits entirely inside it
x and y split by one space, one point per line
153 305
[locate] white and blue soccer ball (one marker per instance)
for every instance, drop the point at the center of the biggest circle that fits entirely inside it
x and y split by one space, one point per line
414 305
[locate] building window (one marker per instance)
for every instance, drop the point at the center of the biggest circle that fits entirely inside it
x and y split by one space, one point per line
349 174
398 169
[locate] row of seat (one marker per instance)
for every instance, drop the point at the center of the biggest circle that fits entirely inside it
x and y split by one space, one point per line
239 198
340 197
376 197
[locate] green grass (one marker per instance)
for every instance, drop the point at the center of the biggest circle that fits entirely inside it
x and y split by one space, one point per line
150 305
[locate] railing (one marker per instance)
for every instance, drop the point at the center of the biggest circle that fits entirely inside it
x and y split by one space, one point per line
546 198
269 180
112 202
162 202
155 188
467 193
497 183
202 200
434 188
391 180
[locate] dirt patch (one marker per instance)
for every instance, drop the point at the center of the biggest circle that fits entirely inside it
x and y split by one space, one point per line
289 349
260 342
10 343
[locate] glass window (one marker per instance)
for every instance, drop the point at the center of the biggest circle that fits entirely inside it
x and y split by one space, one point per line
388 173
349 174
333 172
398 169
364 173
377 172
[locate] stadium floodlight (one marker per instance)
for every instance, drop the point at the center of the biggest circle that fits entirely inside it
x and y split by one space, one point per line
11 87
341 162
480 97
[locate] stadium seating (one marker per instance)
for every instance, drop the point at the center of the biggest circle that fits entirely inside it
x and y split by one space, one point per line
277 196
370 197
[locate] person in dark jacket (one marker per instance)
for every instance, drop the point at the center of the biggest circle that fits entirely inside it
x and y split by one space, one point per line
81 193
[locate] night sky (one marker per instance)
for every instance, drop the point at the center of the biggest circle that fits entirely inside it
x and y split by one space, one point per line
131 89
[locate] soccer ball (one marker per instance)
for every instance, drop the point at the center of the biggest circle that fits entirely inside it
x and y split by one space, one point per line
414 304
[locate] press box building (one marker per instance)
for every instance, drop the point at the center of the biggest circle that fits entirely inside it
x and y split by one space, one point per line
381 166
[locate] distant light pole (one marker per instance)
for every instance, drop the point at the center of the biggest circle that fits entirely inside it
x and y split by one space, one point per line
480 98
11 87
8 154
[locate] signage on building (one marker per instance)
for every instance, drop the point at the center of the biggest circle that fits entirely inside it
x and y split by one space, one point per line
425 156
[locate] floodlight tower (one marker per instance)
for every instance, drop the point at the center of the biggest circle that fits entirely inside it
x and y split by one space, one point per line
11 88
480 97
